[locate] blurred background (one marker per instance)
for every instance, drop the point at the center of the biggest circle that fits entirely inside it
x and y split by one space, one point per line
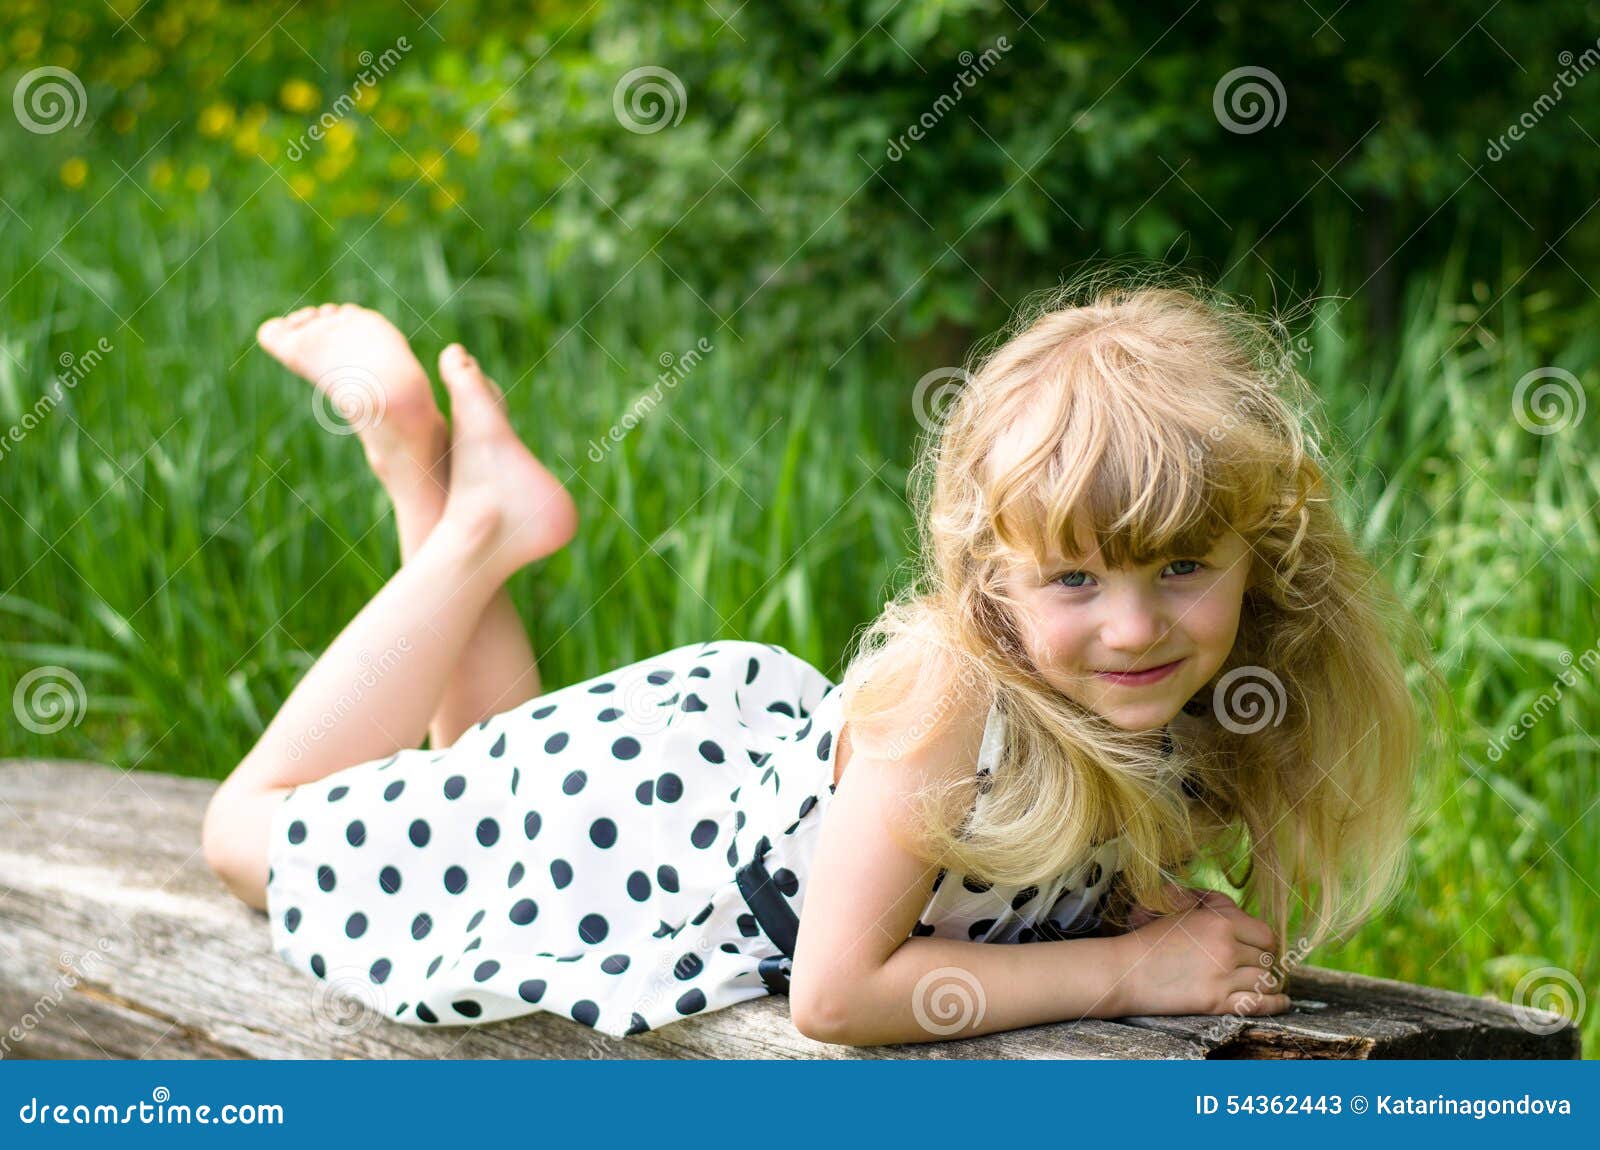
711 249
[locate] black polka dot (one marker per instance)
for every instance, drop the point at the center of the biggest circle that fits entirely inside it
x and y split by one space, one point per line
421 925
602 688
1095 874
356 925
704 833
711 752
472 923
637 1024
785 880
688 966
318 966
645 792
337 793
614 964
751 669
297 832
433 967
530 824
586 1012
667 878
748 925
975 885
692 702
499 747
700 672
532 990
455 880
545 712
516 773
560 873
291 919
669 788
356 833
380 970
488 832
638 886
574 782
392 791
781 708
824 745
805 807
657 678
603 832
485 971
389 880
555 743
609 715
467 1008
425 1014
454 786
625 748
979 928
516 874
691 1002
593 928
524 911
325 877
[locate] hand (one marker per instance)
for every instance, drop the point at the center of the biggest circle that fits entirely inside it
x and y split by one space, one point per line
1184 896
1212 958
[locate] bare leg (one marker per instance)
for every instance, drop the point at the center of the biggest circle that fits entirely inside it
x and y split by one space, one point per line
495 521
363 366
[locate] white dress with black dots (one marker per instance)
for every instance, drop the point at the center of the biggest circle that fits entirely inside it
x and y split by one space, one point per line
626 851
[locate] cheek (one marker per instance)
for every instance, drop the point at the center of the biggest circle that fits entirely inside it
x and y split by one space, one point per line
1213 623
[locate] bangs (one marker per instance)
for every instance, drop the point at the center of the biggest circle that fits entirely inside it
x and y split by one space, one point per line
1139 482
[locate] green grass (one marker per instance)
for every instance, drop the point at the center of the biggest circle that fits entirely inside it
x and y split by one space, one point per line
183 537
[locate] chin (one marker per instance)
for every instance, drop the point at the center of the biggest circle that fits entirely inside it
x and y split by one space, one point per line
1139 716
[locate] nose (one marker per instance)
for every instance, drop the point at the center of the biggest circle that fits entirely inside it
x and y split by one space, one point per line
1133 624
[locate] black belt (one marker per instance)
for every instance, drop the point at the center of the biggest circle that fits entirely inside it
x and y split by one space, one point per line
776 918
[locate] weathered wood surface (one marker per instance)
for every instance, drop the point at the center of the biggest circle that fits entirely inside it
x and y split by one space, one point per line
116 941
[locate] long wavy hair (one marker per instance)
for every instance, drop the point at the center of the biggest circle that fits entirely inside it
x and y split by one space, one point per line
1160 415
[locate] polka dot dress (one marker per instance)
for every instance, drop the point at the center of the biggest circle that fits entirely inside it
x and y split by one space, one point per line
580 852
575 854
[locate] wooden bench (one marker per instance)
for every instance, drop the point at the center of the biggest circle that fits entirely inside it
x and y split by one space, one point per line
116 941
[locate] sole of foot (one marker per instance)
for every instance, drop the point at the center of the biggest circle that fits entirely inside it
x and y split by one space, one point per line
365 372
499 491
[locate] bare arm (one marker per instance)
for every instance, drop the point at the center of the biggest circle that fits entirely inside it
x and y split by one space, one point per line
931 989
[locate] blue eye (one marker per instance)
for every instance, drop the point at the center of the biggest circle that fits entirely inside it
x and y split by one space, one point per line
1065 580
1195 566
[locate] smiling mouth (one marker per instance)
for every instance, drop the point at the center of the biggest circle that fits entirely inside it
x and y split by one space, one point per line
1140 678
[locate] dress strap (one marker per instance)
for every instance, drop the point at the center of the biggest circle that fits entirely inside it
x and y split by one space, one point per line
994 738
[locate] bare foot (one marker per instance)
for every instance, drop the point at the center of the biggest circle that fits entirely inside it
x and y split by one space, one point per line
499 492
367 376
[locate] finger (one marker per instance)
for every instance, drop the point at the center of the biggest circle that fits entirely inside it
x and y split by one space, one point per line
1216 898
1249 1002
1251 930
1252 957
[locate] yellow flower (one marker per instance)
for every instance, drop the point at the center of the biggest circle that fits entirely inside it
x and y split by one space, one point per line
74 172
299 95
445 197
467 143
340 136
430 164
330 167
367 97
161 173
246 140
197 178
393 120
302 185
216 119
397 216
25 43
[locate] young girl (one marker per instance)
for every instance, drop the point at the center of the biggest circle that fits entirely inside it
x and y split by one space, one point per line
1141 638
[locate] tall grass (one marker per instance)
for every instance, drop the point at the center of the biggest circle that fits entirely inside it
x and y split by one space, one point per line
183 538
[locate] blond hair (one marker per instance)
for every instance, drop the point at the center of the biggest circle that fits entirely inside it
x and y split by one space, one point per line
1161 416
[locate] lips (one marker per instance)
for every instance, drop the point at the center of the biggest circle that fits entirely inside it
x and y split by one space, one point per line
1140 678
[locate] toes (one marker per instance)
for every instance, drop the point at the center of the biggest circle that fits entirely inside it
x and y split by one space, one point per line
461 372
268 334
296 318
328 309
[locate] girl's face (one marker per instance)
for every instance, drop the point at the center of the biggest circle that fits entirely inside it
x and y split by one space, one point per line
1134 644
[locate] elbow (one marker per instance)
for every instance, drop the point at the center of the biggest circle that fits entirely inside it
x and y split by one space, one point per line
824 1015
